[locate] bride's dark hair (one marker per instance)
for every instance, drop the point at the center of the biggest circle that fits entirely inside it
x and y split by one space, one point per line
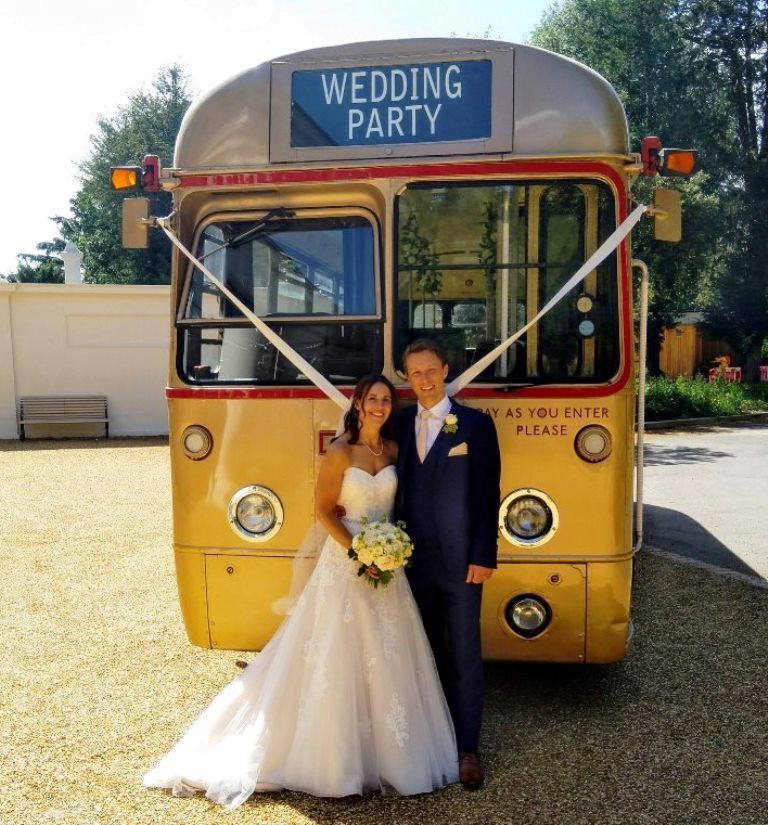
351 419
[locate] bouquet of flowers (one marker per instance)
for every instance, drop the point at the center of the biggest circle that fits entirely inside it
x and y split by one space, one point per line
381 548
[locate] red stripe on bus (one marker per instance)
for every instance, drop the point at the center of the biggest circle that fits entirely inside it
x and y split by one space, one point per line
238 393
242 394
435 170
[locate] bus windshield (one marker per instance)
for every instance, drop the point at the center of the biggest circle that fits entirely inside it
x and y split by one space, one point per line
476 261
313 279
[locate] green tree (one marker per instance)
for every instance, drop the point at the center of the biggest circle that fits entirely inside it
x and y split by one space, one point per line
642 48
683 275
147 124
731 39
44 266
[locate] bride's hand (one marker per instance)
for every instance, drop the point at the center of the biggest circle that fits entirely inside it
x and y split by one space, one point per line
372 572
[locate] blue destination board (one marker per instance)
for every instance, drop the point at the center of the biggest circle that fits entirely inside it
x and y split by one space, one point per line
416 103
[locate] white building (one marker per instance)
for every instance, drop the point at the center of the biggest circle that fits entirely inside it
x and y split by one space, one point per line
85 339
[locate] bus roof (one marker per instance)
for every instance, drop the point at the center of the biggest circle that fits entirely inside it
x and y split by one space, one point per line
515 100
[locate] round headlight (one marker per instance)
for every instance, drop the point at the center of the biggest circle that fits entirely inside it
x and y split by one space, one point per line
528 517
593 443
528 615
197 442
255 513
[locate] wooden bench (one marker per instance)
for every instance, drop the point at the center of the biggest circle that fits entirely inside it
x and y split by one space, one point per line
68 409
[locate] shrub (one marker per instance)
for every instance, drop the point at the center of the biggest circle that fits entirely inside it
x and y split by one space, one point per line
696 398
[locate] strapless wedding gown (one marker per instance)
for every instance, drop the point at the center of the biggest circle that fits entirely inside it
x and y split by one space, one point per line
345 698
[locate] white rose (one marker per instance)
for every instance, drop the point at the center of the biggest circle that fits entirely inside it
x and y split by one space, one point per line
365 557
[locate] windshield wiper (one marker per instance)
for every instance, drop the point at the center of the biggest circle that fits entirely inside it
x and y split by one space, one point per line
280 212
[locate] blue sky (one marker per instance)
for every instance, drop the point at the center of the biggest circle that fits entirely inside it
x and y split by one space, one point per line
66 62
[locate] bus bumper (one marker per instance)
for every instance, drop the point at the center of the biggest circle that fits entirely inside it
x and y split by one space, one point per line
236 602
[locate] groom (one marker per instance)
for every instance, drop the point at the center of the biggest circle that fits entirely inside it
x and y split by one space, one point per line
448 495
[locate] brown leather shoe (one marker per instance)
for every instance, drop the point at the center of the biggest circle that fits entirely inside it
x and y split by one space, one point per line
470 771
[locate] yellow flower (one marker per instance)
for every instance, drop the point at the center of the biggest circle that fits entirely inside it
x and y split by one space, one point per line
365 557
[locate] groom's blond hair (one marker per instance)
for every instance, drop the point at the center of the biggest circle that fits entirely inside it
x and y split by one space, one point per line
424 345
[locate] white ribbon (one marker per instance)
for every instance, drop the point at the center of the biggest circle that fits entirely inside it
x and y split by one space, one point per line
317 378
608 246
322 383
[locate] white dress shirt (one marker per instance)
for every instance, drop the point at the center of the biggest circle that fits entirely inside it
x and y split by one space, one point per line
435 422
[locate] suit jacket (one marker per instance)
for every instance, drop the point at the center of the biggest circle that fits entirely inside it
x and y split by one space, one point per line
465 496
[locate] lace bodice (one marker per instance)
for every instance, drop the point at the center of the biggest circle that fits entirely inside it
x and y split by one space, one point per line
366 496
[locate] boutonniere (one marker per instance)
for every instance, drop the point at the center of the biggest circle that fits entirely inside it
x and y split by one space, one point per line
450 424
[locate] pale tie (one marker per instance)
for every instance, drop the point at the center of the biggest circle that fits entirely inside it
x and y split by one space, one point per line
421 437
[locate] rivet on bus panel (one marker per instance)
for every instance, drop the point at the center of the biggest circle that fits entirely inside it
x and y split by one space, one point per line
230 569
554 578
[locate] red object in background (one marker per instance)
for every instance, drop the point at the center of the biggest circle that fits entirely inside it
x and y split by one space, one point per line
650 149
150 180
731 375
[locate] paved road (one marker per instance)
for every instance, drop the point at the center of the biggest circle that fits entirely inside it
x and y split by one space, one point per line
706 494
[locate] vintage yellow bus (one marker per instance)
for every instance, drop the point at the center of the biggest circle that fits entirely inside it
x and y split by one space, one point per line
353 199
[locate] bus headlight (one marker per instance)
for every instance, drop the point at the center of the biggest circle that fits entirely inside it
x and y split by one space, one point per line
197 442
528 517
528 615
255 513
593 443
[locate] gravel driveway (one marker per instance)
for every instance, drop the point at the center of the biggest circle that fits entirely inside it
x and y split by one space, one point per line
98 680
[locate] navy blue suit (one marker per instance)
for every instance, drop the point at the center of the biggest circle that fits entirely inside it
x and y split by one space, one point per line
450 506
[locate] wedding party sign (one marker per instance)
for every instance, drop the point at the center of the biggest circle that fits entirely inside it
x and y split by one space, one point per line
368 106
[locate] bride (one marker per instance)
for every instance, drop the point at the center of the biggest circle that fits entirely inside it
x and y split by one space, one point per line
345 698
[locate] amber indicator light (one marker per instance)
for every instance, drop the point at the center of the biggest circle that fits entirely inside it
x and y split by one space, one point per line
125 177
679 162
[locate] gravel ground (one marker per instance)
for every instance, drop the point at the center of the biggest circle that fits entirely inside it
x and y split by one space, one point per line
98 680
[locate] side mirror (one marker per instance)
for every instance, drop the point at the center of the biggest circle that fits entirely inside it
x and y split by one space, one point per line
667 215
136 223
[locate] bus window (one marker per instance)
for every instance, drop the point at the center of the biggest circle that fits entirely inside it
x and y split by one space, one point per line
428 316
472 318
489 256
312 279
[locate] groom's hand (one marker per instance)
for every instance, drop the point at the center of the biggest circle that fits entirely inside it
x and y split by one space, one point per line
477 574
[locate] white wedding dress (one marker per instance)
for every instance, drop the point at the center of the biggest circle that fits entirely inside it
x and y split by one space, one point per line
345 698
